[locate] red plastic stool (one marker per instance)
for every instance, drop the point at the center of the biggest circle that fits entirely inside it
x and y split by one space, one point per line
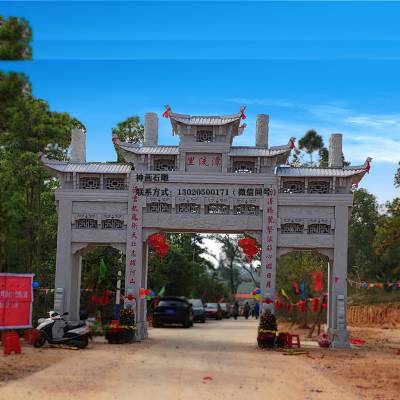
30 335
11 343
290 342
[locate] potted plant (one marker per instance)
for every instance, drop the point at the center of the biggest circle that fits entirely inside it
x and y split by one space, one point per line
122 331
267 329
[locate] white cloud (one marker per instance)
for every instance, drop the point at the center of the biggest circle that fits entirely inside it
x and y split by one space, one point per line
262 102
376 121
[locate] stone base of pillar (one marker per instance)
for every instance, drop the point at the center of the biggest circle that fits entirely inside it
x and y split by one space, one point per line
340 338
141 331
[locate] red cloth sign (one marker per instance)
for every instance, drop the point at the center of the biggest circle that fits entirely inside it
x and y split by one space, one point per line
16 296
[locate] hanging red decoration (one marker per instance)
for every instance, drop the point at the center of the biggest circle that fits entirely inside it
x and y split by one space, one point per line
242 114
296 288
249 247
324 305
288 307
315 304
243 126
301 306
317 276
103 299
291 143
167 111
278 304
159 244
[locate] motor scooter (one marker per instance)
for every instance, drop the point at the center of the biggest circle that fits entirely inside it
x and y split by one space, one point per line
57 330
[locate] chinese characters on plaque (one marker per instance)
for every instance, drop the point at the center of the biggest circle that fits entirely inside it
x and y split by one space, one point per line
203 162
269 244
134 236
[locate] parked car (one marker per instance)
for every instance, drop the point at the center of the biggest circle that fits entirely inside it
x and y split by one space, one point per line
226 310
213 310
199 312
173 310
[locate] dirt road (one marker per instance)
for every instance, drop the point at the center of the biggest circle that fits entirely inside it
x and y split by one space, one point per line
217 360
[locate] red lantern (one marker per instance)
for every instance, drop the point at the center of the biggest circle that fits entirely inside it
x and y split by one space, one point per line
301 306
159 244
315 304
278 304
267 300
249 247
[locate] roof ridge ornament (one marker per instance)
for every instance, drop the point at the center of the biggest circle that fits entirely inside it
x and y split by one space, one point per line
167 111
367 164
115 139
242 114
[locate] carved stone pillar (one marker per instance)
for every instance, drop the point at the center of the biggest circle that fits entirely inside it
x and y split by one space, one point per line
338 281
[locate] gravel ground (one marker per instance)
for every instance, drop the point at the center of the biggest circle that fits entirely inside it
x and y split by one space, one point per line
216 360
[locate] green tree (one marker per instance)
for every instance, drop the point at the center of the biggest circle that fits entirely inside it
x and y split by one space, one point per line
184 271
233 267
362 230
323 157
15 38
27 209
311 142
397 177
130 130
298 266
387 241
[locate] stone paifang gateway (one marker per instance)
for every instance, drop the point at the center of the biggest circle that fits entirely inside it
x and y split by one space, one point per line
205 184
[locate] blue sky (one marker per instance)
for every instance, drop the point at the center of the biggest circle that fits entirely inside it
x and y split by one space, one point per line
331 66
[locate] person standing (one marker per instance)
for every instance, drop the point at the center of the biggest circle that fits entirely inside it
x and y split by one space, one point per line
246 310
236 310
257 310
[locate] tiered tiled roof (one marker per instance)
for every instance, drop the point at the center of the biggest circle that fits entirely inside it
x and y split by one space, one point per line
287 170
205 120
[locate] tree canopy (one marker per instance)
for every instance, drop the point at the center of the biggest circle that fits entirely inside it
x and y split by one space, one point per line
15 38
311 142
28 219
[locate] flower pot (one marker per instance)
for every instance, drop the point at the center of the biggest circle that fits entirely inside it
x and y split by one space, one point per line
266 340
117 334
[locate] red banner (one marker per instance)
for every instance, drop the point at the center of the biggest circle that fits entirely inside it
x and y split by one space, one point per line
16 296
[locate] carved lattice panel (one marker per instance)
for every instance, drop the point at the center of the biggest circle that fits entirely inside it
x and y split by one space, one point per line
246 209
188 208
85 223
204 135
293 187
321 187
319 229
292 228
244 167
159 208
114 183
89 182
217 209
112 223
164 164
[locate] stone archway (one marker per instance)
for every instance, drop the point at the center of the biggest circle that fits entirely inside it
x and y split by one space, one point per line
203 184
